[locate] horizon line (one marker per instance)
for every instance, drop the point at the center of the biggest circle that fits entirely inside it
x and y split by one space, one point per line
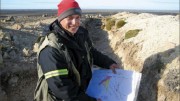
97 9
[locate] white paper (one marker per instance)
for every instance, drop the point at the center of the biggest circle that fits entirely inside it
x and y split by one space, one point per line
122 86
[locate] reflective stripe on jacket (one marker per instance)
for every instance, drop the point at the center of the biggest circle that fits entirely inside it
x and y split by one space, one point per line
41 91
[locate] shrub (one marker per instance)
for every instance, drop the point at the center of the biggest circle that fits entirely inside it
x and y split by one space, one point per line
109 24
120 23
131 33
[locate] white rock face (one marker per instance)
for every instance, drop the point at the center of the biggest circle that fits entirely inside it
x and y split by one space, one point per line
154 52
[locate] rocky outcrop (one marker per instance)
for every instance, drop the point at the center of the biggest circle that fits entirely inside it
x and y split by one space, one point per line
154 52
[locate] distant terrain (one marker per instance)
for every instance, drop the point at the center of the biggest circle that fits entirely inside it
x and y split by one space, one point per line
6 12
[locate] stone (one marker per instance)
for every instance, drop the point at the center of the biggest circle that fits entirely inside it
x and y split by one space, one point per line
26 52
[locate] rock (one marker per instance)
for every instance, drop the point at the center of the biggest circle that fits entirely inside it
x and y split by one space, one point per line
17 26
1 35
13 81
13 54
162 98
172 80
44 15
26 52
38 24
1 58
177 17
16 39
3 95
10 18
6 55
7 36
87 16
4 35
35 47
168 85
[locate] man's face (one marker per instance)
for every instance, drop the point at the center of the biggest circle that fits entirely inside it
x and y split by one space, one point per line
71 23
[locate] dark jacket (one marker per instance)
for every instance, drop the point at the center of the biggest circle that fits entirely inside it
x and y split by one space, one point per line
65 87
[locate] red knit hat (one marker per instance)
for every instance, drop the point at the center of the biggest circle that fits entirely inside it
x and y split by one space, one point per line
68 7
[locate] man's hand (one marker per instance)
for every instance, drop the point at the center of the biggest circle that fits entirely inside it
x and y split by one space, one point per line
113 67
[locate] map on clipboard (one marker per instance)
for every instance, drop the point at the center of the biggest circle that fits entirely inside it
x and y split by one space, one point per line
107 86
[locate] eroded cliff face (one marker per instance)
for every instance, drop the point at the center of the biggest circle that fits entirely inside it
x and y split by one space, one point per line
154 52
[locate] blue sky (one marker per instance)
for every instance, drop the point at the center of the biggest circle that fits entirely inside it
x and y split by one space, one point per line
94 4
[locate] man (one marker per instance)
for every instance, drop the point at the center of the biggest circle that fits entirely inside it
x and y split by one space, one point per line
65 58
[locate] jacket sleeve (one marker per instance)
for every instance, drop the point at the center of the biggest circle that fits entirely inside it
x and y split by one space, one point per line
99 59
61 86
